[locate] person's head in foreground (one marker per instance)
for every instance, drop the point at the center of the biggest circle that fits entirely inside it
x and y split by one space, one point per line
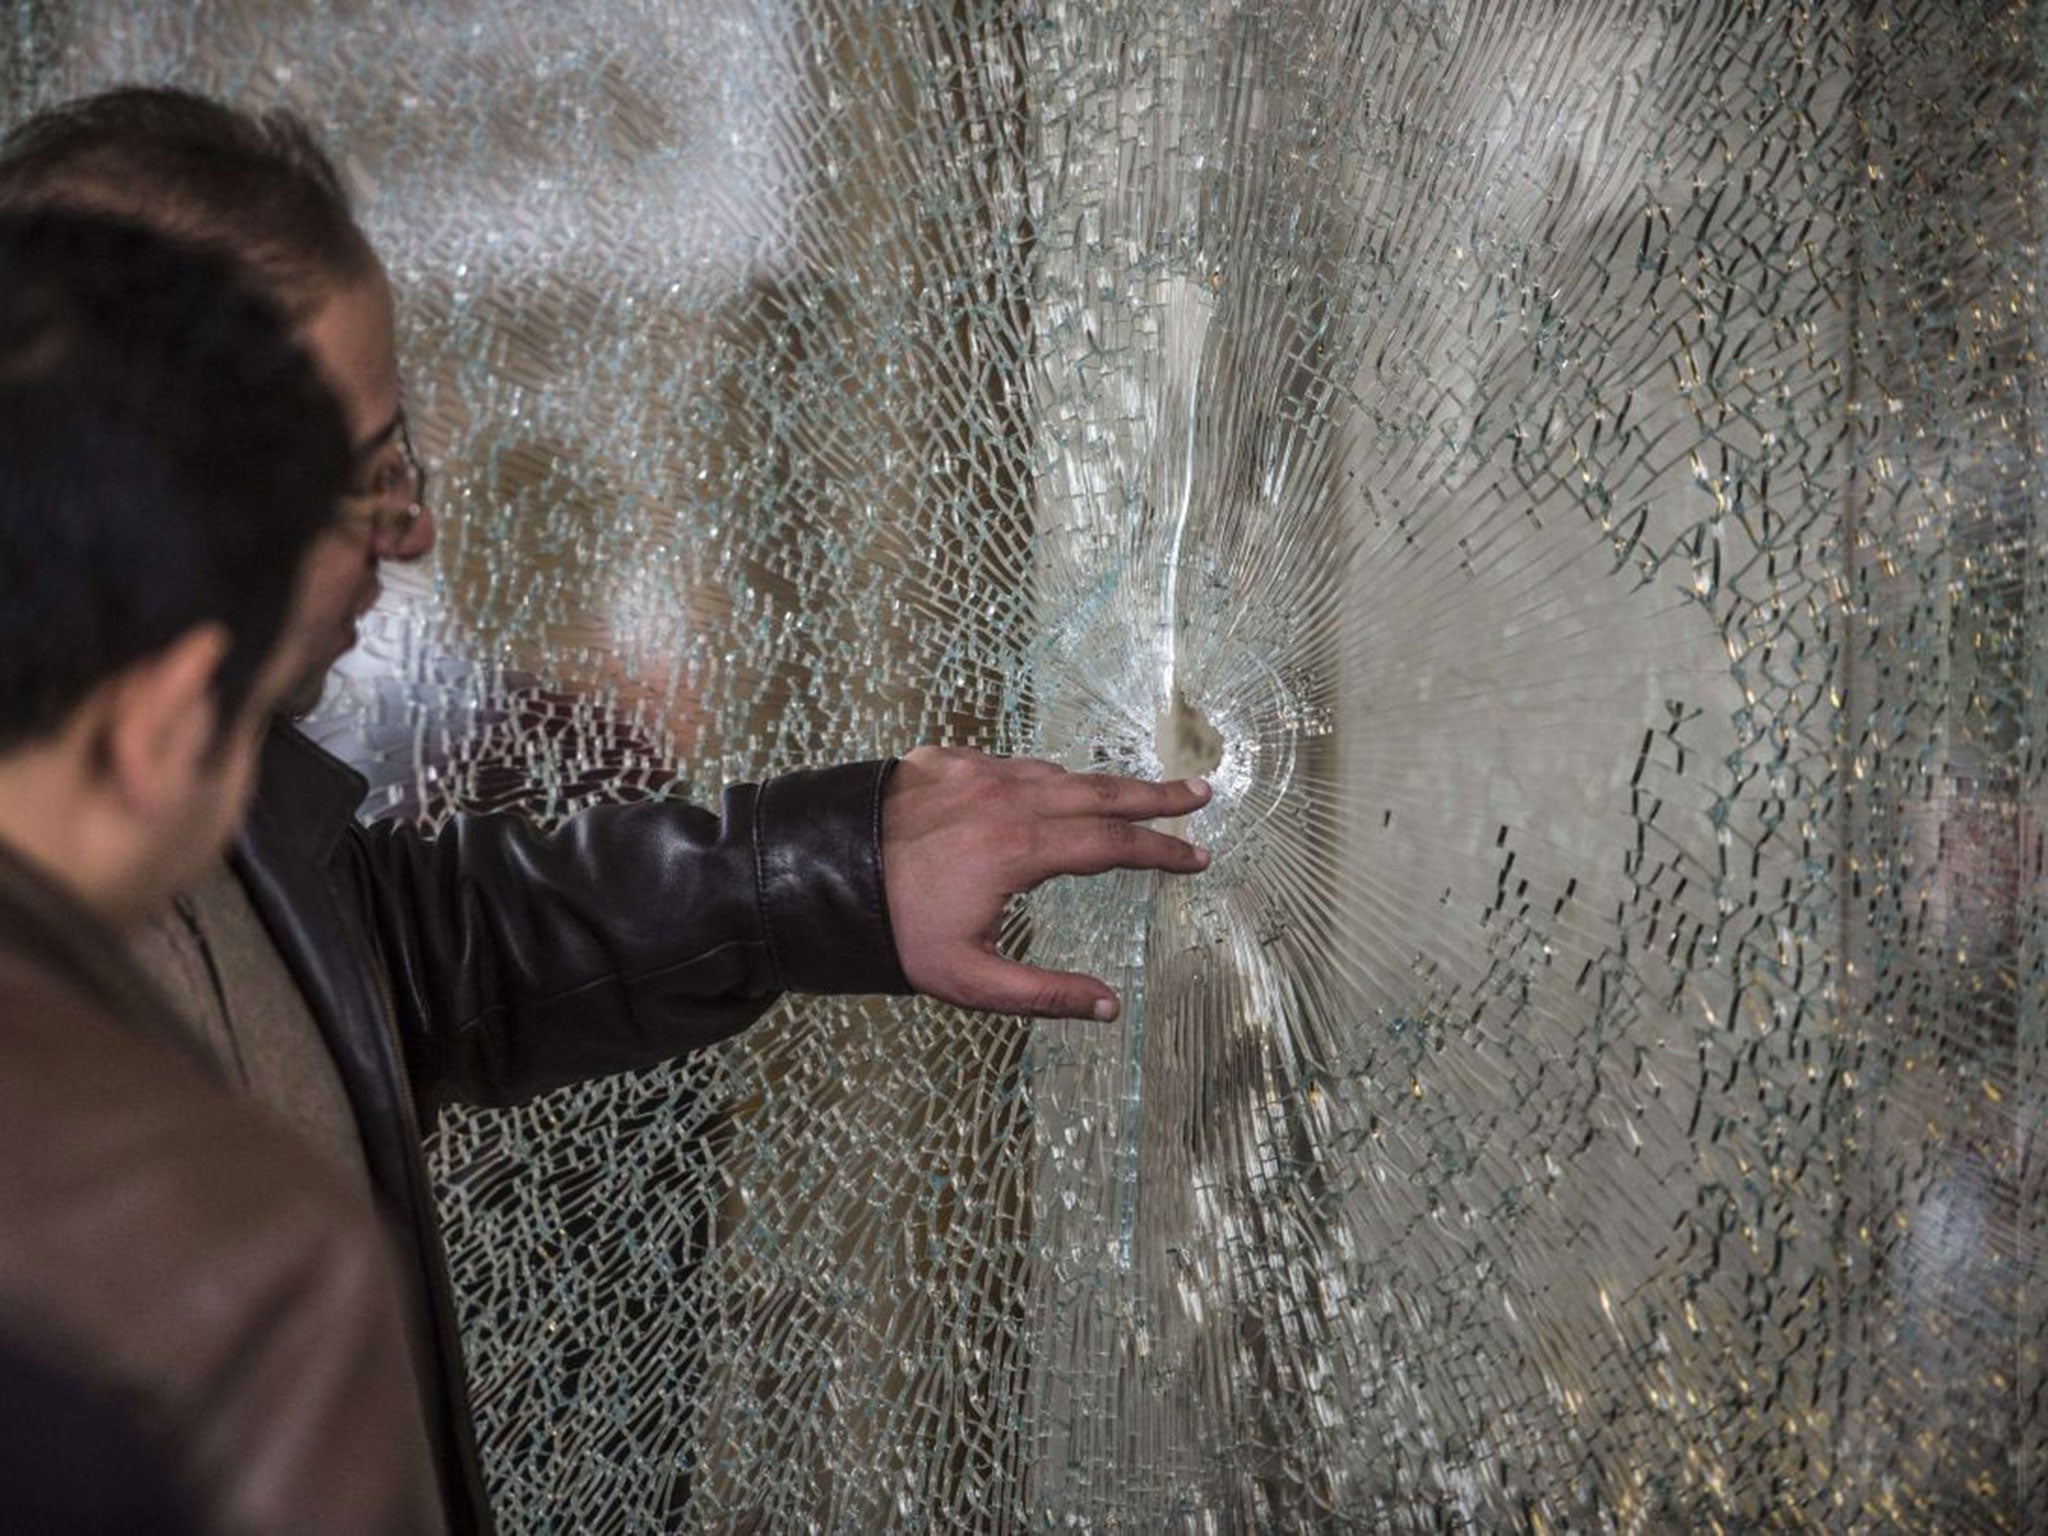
168 460
261 190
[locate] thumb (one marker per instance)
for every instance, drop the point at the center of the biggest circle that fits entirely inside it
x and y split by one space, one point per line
1004 986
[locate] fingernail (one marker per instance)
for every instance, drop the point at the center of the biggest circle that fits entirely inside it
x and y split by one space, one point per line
1202 857
1196 787
1105 1008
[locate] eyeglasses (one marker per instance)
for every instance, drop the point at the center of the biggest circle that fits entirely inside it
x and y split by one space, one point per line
375 509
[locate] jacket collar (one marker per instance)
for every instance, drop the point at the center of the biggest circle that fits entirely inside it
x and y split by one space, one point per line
285 856
305 797
304 802
53 930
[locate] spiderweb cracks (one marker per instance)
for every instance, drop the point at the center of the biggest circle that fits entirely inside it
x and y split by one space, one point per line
1563 469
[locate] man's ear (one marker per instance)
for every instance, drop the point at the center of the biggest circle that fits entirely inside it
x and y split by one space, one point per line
156 722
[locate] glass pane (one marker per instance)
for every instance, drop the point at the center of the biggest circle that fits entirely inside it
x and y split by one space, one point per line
1566 469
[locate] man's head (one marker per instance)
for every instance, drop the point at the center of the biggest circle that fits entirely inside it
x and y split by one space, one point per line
259 188
168 458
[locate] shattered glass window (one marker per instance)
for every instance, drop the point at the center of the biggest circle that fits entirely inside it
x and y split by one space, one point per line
1566 469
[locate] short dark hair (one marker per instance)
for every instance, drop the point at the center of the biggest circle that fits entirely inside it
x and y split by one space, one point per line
257 185
167 456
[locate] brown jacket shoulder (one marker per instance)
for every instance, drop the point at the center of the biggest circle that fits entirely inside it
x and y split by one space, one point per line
164 1238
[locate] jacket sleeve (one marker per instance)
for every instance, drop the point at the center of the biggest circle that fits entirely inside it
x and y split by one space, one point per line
521 959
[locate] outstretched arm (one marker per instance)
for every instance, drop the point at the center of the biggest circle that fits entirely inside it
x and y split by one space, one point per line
522 960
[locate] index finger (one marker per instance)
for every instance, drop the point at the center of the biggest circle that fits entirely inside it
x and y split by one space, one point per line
1125 799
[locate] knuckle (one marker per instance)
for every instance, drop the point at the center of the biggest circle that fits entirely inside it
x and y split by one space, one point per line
1048 998
971 766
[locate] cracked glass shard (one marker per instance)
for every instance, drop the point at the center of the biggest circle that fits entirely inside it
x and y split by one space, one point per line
1565 469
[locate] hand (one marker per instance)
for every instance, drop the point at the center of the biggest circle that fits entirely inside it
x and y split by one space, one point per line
962 832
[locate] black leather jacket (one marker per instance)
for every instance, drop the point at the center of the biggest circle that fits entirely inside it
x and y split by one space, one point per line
518 961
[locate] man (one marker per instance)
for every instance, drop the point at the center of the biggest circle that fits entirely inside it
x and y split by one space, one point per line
384 972
194 1308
